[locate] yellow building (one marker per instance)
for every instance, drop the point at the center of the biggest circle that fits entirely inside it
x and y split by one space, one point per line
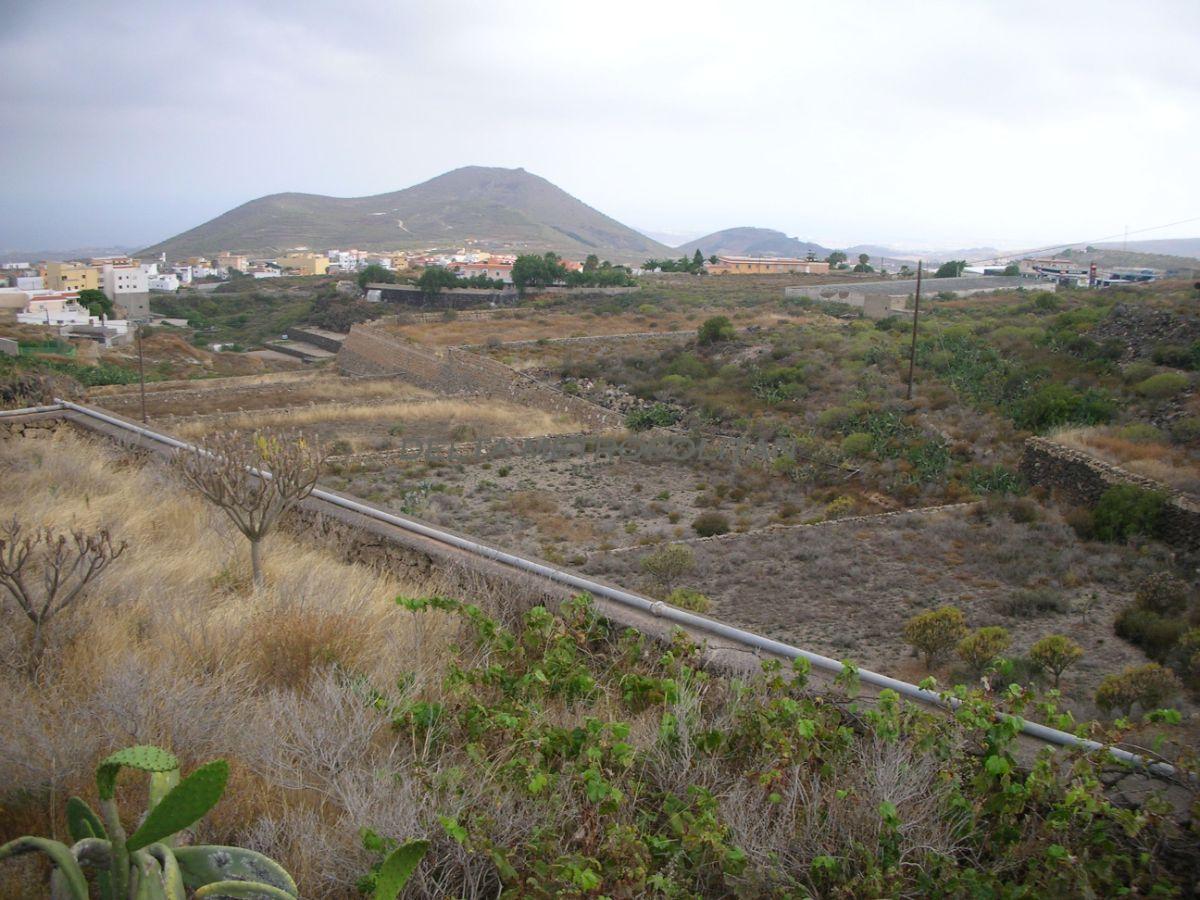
233 261
766 265
399 262
305 263
62 276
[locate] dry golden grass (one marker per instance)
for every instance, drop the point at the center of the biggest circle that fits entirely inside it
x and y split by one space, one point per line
173 647
497 416
1142 455
234 394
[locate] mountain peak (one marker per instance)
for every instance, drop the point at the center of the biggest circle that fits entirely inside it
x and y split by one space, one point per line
491 207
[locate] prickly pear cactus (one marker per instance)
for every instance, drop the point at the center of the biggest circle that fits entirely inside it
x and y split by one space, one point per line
144 757
183 805
145 866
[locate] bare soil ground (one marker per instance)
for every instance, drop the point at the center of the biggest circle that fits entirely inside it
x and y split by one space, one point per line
846 589
564 508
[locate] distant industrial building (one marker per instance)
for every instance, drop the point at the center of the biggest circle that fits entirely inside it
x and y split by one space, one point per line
765 265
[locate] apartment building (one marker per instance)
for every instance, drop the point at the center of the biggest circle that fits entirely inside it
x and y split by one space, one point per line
129 286
63 276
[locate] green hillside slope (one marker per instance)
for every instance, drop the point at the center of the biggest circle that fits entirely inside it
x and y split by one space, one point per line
497 208
752 242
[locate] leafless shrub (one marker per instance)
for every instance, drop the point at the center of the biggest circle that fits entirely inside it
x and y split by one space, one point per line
819 816
231 471
45 571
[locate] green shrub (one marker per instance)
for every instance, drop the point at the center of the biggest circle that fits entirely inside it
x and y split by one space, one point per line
1057 404
980 648
710 523
1140 432
1148 686
935 632
995 479
1154 633
1178 356
716 330
668 564
644 418
857 443
839 507
1162 386
1186 430
1125 510
1031 602
1055 653
686 598
1162 593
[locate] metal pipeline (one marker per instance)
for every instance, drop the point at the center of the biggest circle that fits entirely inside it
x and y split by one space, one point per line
660 609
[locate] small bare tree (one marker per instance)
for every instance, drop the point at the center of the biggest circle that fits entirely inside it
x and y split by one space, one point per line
45 571
254 479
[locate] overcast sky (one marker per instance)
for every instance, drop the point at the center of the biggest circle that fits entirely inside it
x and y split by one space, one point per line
923 123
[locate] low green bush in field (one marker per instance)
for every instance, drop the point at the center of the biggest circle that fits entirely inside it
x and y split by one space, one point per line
614 765
1125 510
1162 386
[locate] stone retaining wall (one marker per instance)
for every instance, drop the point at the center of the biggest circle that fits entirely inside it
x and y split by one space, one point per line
1082 478
323 339
455 371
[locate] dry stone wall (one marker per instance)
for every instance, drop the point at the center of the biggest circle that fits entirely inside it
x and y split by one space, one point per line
456 371
1082 478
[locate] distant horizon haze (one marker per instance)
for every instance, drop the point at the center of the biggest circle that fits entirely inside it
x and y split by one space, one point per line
1000 123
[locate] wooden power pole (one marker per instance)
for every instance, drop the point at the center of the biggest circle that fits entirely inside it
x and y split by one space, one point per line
142 373
912 355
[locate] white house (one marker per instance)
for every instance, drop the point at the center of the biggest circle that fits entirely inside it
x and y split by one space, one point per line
151 269
184 273
31 283
62 308
129 286
168 281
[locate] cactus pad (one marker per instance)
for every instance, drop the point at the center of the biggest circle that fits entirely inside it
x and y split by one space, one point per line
397 868
209 864
243 890
183 805
144 757
82 822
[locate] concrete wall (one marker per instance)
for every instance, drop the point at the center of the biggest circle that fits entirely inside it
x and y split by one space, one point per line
1083 479
453 371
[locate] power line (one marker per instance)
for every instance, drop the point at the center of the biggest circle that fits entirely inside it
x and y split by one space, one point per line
1063 246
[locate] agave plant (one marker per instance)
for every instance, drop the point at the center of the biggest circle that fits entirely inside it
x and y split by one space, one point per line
147 865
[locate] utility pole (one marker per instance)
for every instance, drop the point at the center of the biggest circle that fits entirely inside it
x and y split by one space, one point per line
142 372
912 354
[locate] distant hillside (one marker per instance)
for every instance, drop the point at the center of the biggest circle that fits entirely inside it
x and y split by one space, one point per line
891 256
1106 256
1188 247
498 209
751 242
